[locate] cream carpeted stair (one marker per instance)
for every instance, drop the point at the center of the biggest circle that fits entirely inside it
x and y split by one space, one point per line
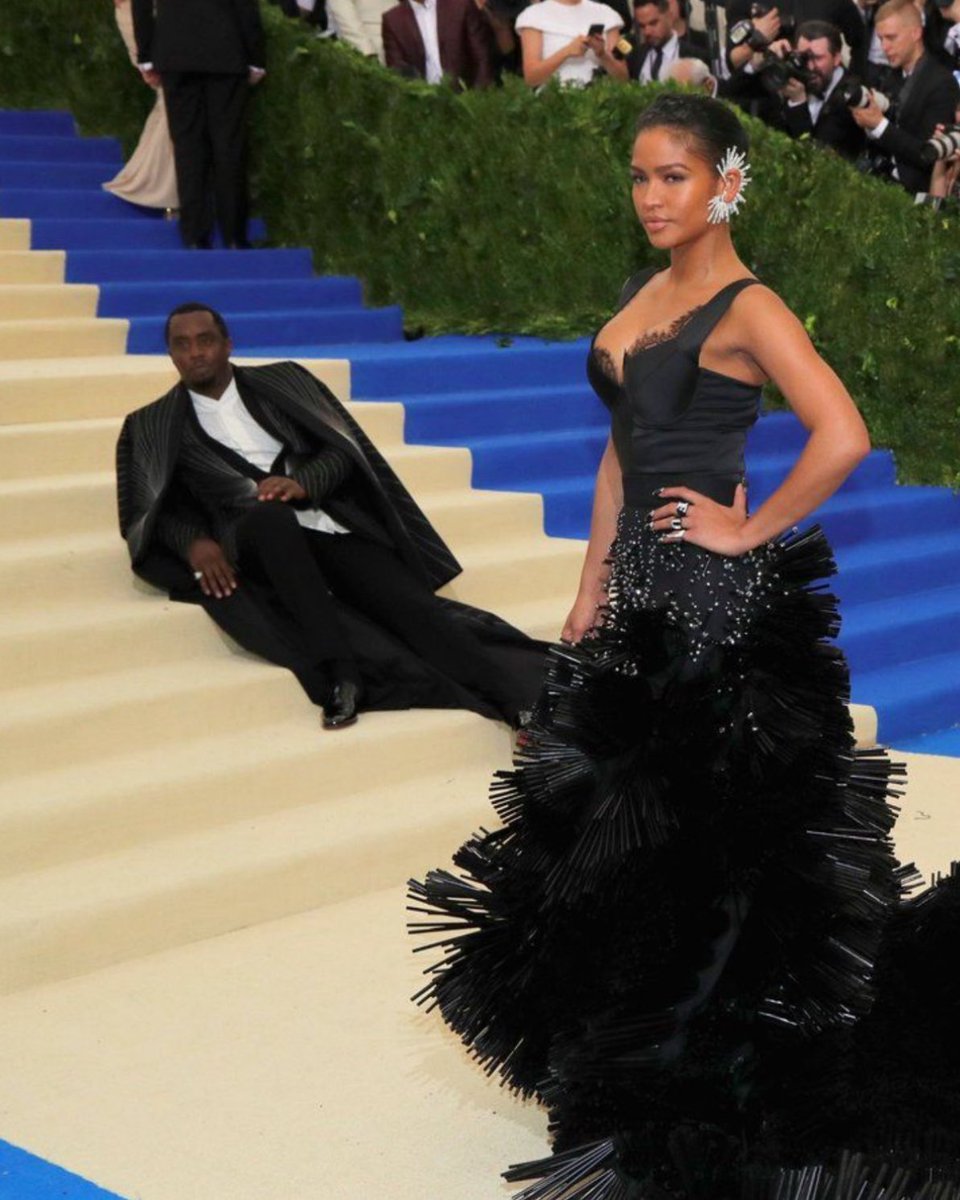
159 785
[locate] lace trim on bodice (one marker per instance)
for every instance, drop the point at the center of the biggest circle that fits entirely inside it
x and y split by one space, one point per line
646 341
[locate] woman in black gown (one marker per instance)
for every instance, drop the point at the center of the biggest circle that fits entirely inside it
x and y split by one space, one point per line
689 939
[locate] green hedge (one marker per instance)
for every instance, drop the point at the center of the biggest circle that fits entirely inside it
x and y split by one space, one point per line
510 212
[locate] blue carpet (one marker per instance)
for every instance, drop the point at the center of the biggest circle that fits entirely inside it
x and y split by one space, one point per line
25 1177
521 405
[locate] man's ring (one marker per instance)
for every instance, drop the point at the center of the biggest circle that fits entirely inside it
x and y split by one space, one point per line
198 574
682 507
676 523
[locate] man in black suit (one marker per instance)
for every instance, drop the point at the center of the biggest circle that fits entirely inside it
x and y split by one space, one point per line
814 110
927 97
752 25
252 492
206 54
657 44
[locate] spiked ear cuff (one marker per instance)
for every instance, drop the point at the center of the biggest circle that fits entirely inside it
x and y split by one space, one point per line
722 210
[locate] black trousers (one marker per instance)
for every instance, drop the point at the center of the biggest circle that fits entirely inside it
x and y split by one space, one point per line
306 570
207 115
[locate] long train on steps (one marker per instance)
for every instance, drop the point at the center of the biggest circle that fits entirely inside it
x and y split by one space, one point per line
690 938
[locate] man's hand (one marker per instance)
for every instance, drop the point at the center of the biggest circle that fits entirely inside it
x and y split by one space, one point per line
768 26
211 569
279 487
577 46
598 44
151 76
781 47
793 92
255 74
869 117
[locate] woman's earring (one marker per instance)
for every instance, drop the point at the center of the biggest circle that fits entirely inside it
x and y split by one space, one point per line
721 210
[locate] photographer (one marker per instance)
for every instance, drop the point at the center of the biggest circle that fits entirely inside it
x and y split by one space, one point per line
927 98
811 103
752 25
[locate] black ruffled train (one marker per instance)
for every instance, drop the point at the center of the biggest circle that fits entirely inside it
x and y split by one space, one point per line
690 938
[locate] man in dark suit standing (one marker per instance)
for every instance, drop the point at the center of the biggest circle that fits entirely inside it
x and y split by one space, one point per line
658 45
927 97
430 39
206 54
814 110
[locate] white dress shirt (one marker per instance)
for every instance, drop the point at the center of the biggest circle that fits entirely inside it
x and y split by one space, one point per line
671 52
229 422
425 12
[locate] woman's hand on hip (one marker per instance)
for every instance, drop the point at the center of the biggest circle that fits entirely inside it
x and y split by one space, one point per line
688 516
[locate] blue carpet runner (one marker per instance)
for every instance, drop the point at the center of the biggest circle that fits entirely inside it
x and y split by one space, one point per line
521 405
25 1177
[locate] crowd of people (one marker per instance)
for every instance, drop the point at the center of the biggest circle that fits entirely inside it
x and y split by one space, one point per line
876 82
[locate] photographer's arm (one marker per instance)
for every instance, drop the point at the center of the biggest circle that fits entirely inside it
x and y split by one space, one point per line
939 110
775 340
607 502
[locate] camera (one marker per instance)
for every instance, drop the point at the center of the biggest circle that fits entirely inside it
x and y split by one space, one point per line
745 33
775 73
854 94
941 146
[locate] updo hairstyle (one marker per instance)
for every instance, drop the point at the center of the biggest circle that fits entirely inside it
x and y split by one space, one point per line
707 127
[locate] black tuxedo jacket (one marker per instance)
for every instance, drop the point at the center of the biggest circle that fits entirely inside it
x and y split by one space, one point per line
688 48
158 519
835 127
222 37
931 100
463 40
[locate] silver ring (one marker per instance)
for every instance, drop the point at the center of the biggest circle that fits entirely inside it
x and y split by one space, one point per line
678 536
683 507
198 574
676 523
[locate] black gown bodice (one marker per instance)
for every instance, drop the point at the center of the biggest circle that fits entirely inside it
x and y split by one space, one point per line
673 421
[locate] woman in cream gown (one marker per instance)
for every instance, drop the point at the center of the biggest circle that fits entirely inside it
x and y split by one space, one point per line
149 178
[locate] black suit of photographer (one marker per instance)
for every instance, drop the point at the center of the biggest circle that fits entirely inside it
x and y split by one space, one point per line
834 126
204 50
747 90
928 97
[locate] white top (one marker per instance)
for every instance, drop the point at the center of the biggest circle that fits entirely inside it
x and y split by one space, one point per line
229 422
670 53
425 12
560 24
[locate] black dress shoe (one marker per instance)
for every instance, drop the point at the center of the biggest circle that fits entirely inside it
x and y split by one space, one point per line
341 709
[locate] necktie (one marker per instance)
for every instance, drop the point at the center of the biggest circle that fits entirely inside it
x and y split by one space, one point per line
657 62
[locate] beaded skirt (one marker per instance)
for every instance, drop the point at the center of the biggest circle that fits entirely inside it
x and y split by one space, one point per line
690 938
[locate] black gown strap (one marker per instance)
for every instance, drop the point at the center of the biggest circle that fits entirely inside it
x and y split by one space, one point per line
634 284
696 331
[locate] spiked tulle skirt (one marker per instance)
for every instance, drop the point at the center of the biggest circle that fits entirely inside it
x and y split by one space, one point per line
689 938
